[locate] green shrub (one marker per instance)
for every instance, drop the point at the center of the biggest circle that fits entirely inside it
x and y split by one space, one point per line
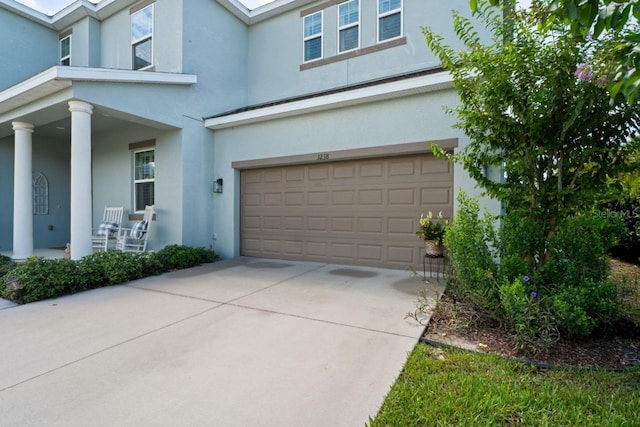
6 264
174 257
42 278
572 292
580 309
111 268
472 246
528 314
49 278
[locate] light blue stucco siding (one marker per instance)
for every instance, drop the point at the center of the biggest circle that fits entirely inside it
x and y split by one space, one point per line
276 49
115 41
85 42
28 48
51 158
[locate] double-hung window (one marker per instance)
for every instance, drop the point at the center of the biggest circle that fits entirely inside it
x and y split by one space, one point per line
65 49
312 36
389 19
144 166
348 25
142 38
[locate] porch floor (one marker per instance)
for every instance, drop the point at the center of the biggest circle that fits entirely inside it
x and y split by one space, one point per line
49 253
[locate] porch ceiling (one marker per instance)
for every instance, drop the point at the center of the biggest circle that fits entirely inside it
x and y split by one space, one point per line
43 99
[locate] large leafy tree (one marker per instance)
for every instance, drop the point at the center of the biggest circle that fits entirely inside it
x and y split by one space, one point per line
593 18
535 103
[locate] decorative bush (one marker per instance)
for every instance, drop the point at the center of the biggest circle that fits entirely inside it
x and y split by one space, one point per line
41 278
570 294
471 241
174 257
6 264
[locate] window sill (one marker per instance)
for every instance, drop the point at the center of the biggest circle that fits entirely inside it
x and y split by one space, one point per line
354 53
139 217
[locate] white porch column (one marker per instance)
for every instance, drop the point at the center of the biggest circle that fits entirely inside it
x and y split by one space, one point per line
22 191
81 204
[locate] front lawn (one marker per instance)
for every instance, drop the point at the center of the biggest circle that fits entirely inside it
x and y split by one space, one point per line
442 387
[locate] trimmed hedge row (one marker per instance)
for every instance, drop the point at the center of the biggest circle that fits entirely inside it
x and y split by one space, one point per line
41 278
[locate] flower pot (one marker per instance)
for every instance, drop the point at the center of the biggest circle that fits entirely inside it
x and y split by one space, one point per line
433 248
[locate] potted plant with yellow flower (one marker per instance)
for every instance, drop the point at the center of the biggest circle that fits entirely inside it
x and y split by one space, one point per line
432 231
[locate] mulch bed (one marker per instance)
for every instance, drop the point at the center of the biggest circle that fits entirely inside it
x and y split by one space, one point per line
616 347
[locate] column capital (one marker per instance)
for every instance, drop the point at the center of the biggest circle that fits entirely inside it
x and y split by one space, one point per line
80 106
23 126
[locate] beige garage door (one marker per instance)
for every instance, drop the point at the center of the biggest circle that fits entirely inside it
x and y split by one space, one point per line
362 212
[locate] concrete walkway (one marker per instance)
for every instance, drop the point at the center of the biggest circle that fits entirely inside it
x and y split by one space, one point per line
244 342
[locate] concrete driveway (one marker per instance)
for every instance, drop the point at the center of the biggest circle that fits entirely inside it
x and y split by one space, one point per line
243 342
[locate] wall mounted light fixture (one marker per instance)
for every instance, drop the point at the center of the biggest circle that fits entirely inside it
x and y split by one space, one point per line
217 186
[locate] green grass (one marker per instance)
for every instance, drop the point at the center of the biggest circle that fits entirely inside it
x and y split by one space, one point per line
443 387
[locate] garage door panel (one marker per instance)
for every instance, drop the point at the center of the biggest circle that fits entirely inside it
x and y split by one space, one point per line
320 198
370 225
370 253
435 196
316 249
406 167
272 199
343 197
294 198
370 197
344 171
293 223
352 212
371 170
402 196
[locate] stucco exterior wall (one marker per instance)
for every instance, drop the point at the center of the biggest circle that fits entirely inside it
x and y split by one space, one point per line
31 48
276 48
115 45
52 159
215 49
398 121
113 179
85 43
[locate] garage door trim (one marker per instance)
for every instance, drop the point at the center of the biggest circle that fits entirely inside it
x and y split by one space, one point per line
351 154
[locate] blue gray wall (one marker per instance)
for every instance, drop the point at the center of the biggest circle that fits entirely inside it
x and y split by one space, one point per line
51 158
275 50
25 56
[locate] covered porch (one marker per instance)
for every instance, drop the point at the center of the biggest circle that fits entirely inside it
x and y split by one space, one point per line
68 107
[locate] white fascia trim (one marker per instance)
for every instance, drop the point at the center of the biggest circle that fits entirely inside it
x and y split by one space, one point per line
122 76
70 74
422 84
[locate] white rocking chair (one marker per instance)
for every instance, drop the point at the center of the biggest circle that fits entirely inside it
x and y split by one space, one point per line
107 233
134 239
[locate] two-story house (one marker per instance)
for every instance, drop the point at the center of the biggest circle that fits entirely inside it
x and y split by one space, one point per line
298 130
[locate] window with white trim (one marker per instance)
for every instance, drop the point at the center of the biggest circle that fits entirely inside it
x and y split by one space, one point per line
40 194
389 19
142 38
348 25
312 40
65 50
144 177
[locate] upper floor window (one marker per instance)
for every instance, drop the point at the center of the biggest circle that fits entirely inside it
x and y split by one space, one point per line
65 49
312 36
142 38
144 165
348 25
389 19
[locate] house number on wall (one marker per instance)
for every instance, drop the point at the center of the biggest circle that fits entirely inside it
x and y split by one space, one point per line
323 156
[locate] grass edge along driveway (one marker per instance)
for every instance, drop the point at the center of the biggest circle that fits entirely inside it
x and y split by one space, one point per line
441 387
